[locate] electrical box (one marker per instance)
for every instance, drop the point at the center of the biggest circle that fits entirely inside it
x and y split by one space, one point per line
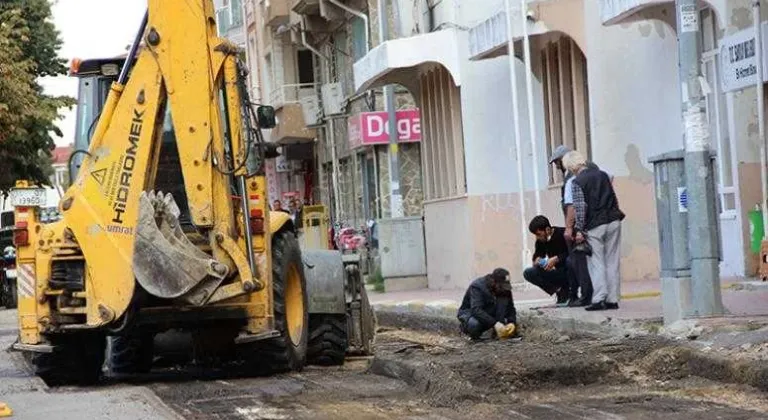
310 107
333 98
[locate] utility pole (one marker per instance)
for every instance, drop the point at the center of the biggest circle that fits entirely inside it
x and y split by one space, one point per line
702 214
395 198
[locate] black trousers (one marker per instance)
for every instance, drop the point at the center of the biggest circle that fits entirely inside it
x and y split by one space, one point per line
578 274
549 281
474 327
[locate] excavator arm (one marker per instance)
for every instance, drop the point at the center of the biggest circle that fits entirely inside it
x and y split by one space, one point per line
130 234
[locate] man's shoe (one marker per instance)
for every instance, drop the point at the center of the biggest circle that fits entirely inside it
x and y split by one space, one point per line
599 306
562 301
577 303
611 305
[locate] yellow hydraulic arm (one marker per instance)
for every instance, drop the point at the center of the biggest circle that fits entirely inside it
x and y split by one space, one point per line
126 231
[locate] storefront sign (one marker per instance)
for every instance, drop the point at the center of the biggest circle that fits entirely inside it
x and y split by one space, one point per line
370 128
738 63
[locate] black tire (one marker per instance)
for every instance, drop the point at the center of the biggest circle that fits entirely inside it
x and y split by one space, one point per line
76 360
131 353
281 354
327 339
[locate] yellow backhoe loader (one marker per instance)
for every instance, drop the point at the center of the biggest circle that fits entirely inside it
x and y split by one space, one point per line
166 224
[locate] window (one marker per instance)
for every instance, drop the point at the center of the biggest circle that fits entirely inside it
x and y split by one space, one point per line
443 141
717 115
358 38
306 71
566 99
236 11
223 20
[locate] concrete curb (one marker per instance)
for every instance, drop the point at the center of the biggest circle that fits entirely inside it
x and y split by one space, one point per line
443 321
440 317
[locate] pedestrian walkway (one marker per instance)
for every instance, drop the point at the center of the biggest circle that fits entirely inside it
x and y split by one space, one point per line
641 300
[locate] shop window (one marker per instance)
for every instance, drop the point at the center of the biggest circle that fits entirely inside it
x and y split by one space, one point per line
566 99
442 138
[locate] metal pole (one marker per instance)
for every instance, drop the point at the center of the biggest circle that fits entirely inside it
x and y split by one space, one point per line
761 112
529 91
516 122
331 135
395 199
702 212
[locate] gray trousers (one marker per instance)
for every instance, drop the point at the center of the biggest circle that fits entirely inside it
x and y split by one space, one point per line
603 264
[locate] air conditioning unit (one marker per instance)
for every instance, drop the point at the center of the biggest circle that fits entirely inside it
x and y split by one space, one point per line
310 107
333 98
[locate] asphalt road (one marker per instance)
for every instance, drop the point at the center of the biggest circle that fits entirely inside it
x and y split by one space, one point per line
352 392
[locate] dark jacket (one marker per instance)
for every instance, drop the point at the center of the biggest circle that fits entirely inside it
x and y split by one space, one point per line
480 303
602 204
568 176
556 247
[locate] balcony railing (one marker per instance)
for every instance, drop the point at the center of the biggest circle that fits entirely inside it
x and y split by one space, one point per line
291 94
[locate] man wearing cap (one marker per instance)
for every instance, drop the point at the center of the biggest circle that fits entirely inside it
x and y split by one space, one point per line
578 270
488 304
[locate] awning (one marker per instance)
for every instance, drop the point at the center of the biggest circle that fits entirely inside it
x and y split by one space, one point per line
397 61
615 11
490 38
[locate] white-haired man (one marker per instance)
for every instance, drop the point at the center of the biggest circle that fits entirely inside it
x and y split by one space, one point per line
598 221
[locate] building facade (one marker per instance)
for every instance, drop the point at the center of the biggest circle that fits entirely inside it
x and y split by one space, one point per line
331 136
604 81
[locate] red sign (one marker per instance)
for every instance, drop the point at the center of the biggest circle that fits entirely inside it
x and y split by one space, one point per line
369 128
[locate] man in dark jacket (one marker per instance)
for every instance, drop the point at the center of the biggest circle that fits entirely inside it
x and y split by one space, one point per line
598 222
549 259
487 304
577 269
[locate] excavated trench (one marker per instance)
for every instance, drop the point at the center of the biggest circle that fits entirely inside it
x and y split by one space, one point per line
450 371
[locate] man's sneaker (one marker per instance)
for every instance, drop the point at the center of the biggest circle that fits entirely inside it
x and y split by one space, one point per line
610 305
562 301
577 303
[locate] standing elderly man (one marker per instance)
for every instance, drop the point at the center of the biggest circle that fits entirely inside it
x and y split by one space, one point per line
577 270
598 221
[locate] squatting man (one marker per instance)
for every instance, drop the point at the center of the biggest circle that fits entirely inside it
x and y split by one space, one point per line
488 307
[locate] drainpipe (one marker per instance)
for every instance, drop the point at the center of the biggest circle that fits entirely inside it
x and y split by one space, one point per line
760 111
516 122
395 198
359 14
531 116
305 43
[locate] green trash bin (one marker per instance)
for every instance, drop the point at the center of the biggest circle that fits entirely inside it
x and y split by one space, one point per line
756 229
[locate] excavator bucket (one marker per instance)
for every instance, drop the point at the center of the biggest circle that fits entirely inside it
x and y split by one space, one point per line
166 264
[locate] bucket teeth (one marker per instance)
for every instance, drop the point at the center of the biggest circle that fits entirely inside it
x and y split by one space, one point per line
166 263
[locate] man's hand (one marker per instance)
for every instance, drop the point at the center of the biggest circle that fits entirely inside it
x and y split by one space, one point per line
568 234
536 262
499 328
507 331
551 263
